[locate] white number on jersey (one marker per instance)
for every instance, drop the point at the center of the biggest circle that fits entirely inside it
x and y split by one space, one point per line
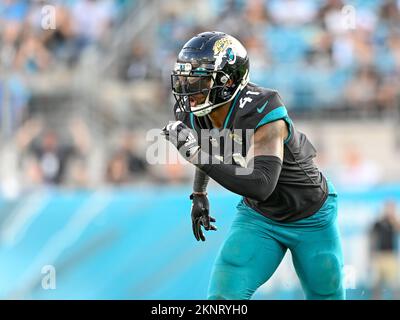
242 102
253 92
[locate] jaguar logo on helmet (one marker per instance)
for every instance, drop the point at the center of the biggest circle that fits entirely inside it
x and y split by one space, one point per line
220 45
223 49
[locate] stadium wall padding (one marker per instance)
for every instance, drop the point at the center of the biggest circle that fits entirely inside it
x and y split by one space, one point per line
137 243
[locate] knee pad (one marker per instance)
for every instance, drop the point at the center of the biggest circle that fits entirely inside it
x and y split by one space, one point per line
326 274
227 285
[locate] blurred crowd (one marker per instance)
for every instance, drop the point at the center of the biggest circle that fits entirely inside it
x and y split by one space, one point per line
36 39
37 34
320 54
47 158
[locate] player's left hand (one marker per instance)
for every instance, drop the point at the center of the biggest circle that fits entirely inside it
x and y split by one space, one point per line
201 216
183 138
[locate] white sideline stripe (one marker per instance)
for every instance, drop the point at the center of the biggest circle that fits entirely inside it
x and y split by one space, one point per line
62 240
17 223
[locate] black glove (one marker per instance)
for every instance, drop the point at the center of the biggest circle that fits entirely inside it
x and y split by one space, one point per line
182 137
200 216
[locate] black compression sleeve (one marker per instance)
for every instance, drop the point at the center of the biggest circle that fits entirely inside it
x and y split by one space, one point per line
259 182
200 181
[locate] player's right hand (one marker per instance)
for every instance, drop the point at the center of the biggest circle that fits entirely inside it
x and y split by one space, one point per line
183 138
200 216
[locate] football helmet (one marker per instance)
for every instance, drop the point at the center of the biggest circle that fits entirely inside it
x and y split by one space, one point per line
213 65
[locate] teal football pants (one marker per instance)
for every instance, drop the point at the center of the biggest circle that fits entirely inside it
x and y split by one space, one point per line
256 245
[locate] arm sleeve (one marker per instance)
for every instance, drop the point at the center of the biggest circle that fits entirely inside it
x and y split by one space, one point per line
259 182
200 181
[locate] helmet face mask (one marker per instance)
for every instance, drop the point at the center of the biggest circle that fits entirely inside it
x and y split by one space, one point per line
190 85
204 89
211 69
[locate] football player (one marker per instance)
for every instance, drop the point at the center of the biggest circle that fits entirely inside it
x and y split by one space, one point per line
287 203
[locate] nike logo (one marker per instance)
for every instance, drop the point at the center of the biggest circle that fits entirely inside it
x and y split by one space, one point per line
259 110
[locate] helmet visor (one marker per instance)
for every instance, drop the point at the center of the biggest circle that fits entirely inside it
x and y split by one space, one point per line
189 85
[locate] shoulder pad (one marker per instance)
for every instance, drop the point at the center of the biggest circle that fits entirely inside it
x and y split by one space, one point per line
258 106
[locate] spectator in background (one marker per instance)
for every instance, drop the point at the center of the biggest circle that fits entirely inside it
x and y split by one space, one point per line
362 48
256 13
12 17
390 13
9 37
361 92
138 66
32 55
58 41
384 252
388 95
51 156
330 15
125 165
128 146
117 173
